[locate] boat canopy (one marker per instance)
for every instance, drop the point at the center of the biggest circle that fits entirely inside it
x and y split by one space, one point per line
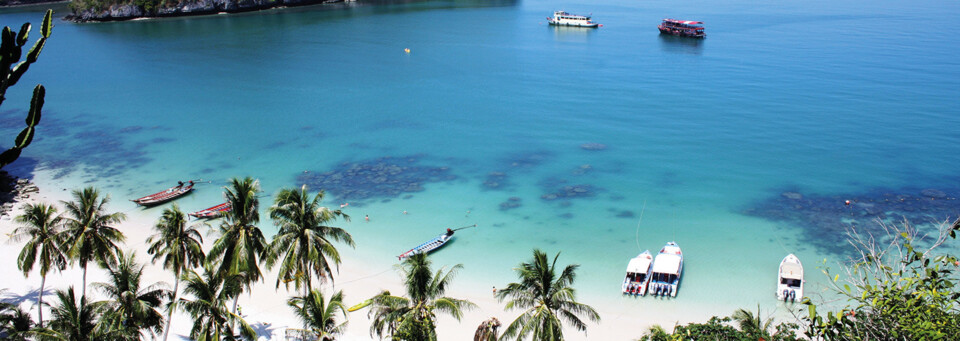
791 270
667 264
639 265
684 22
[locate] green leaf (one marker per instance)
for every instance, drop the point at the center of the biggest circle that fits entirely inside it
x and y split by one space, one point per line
846 287
36 104
47 26
22 36
25 137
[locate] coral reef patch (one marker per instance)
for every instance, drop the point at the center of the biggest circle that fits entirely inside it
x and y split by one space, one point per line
382 178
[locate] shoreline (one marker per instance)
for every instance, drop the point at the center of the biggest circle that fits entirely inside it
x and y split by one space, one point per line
131 12
359 277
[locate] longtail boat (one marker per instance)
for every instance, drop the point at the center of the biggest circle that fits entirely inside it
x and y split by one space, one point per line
432 244
212 212
165 195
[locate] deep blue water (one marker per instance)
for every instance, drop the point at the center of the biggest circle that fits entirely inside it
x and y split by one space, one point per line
825 98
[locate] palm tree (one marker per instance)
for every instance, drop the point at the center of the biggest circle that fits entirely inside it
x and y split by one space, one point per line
304 237
751 324
72 320
15 323
487 330
549 300
90 235
412 317
179 245
40 224
320 317
130 309
211 318
241 246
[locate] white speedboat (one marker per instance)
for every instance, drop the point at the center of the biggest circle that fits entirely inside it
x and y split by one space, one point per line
667 268
562 18
638 274
790 279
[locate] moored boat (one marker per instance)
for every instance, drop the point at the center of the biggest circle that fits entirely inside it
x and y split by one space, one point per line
790 279
638 274
166 195
562 18
212 212
429 246
667 268
683 28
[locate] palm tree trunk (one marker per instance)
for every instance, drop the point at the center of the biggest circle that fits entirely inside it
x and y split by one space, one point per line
235 300
173 301
84 280
43 281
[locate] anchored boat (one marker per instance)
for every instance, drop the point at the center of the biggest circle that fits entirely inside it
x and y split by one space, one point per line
790 279
212 212
432 244
562 18
638 274
166 195
683 28
667 268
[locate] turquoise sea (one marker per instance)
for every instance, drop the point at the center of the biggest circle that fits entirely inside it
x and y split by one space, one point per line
831 99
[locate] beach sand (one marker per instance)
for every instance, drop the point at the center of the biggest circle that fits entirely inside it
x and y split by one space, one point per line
359 278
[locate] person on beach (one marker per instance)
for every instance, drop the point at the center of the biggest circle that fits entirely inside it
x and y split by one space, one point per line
366 217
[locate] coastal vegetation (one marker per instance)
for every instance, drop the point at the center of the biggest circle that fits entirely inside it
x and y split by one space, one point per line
547 298
902 287
11 49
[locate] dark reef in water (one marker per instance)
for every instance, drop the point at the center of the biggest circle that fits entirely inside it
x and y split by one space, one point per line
825 218
381 178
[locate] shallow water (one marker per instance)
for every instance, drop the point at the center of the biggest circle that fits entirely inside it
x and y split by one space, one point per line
823 98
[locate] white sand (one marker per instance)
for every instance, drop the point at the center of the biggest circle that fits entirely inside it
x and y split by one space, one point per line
265 307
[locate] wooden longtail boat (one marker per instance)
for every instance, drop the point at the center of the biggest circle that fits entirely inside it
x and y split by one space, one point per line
432 244
166 195
212 212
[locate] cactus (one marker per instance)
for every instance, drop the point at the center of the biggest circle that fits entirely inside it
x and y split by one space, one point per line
10 52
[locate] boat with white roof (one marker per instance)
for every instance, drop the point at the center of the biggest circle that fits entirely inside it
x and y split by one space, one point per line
562 18
790 279
667 268
638 274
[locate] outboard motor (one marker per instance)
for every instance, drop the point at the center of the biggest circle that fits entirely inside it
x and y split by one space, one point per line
668 290
793 295
657 290
786 294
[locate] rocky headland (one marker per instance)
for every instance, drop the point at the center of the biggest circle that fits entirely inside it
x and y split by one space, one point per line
105 10
12 191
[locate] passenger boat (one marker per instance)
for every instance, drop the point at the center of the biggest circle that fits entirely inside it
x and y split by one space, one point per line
638 274
667 268
562 18
790 279
429 246
683 28
166 195
212 212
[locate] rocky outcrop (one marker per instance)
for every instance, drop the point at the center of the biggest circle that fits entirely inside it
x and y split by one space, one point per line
184 8
13 190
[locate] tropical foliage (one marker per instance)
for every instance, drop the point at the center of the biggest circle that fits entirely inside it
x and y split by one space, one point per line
73 320
720 328
319 316
213 321
90 235
305 238
413 317
897 289
15 323
547 300
130 310
12 68
40 226
241 247
487 330
179 245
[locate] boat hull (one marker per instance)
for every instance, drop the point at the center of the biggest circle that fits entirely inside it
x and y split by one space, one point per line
574 24
680 33
790 279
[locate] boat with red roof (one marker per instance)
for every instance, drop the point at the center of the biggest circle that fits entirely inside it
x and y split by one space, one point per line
166 195
683 28
212 212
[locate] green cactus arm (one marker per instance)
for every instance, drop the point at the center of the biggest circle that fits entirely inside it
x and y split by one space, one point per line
17 71
35 50
9 156
47 26
22 36
24 138
36 104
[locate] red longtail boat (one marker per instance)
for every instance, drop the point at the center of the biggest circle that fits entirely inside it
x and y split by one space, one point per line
165 195
212 212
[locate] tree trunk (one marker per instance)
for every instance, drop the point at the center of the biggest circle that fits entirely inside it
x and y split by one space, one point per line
173 302
235 300
43 282
84 266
